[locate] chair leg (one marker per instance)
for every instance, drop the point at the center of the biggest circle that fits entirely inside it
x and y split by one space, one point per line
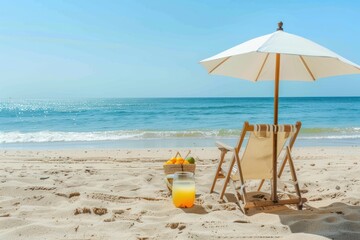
240 197
282 165
237 194
241 177
294 178
227 177
261 184
222 156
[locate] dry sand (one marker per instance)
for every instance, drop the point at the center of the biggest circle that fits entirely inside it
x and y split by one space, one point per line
120 194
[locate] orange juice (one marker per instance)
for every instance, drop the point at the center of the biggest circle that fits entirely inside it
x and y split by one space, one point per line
183 194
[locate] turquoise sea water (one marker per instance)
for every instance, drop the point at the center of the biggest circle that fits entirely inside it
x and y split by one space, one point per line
170 122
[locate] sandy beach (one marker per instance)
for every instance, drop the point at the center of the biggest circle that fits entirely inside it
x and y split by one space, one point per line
120 194
97 96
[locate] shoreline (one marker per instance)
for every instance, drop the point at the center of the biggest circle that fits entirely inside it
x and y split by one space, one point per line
165 143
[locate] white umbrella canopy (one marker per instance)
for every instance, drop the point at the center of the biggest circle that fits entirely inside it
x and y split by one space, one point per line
301 59
279 56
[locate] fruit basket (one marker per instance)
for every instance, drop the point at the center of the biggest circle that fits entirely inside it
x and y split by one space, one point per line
178 164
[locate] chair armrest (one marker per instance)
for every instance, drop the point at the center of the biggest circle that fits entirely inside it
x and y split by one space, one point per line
223 146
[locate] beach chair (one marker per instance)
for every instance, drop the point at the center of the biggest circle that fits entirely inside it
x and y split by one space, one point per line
256 163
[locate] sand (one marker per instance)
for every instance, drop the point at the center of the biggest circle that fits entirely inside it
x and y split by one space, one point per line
120 194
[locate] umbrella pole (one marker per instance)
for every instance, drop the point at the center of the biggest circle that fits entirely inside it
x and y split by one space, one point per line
274 196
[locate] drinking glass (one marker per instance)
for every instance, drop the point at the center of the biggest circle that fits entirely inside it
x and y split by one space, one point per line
183 189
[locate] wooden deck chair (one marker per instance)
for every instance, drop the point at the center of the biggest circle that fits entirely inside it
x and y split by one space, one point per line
256 162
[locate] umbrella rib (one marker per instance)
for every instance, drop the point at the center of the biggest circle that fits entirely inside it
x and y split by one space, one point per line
219 64
262 66
307 68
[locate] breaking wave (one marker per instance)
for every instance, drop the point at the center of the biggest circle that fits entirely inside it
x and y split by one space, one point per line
59 136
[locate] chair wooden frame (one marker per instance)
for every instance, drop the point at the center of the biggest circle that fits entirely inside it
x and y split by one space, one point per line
245 204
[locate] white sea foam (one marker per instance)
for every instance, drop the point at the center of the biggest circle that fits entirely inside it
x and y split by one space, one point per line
47 136
57 136
332 137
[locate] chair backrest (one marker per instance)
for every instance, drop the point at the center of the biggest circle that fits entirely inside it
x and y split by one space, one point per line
257 158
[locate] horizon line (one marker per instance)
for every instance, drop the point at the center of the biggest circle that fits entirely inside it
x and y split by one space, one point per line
75 98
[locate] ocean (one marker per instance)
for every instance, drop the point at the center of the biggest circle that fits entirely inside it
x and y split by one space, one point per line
170 122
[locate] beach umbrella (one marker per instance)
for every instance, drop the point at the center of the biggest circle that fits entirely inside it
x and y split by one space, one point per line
279 56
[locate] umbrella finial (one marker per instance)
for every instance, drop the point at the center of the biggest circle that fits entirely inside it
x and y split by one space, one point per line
280 24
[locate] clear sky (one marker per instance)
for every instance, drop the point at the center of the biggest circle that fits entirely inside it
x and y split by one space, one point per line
133 48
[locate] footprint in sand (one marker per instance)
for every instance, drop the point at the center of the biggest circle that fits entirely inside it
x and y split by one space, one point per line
177 225
40 188
70 195
124 215
99 211
220 207
82 211
95 210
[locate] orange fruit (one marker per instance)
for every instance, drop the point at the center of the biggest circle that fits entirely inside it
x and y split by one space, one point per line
186 162
168 162
173 159
179 160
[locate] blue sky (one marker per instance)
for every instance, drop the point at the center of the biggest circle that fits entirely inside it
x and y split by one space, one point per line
69 49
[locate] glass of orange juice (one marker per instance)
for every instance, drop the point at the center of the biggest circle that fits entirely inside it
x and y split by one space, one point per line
183 189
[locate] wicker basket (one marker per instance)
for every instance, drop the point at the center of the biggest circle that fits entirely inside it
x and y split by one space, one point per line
172 168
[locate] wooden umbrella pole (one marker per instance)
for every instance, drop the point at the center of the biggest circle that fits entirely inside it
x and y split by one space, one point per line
274 196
